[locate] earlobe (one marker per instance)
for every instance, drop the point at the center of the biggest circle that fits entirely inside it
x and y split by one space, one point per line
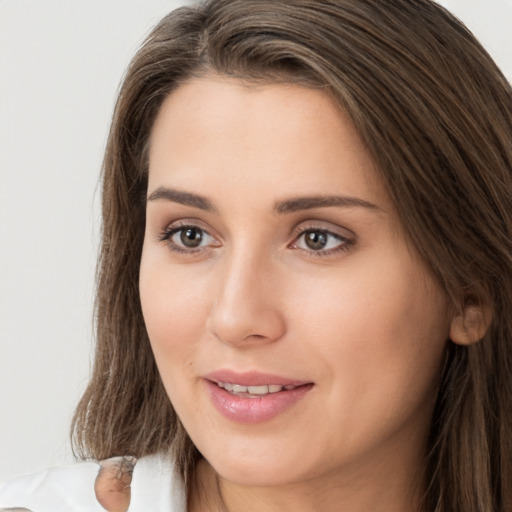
470 325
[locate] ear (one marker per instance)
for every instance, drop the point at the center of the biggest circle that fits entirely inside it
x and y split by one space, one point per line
470 325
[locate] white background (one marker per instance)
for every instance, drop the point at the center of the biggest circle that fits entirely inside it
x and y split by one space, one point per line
60 65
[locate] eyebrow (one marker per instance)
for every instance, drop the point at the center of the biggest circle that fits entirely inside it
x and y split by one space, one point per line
308 203
287 206
186 198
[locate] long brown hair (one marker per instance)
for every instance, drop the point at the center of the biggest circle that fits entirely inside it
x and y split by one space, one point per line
436 114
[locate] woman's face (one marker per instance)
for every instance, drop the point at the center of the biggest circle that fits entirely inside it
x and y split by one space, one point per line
297 333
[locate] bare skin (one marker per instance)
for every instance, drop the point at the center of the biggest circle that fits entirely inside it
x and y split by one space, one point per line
243 181
112 485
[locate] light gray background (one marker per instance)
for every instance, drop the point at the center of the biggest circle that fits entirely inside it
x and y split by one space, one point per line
60 65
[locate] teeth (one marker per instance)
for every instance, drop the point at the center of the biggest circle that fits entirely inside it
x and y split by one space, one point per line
253 390
258 390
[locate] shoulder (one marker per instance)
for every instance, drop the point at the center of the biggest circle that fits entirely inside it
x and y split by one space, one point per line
155 484
57 488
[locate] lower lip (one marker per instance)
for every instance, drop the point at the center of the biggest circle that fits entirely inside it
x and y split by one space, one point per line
254 410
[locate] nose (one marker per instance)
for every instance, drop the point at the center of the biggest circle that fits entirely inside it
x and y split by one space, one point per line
245 309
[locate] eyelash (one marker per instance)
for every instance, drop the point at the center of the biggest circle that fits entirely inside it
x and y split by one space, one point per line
345 243
174 229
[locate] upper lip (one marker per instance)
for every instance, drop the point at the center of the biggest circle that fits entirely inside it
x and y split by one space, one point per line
253 378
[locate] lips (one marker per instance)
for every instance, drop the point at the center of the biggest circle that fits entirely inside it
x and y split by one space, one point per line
253 397
252 378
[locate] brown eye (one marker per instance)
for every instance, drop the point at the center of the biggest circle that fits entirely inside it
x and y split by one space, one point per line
321 241
191 237
315 240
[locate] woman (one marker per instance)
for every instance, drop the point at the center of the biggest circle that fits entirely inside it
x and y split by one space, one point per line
305 279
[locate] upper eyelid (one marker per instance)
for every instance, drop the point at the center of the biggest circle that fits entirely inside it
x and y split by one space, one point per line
344 244
176 225
343 239
171 230
318 225
330 233
166 237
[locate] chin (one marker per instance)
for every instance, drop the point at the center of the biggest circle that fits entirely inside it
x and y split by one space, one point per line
259 466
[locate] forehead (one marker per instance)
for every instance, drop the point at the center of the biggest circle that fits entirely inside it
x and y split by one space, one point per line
269 137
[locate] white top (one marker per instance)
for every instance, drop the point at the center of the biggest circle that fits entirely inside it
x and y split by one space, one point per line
155 487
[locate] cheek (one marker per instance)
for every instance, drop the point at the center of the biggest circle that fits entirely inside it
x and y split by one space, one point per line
173 313
381 306
174 309
380 334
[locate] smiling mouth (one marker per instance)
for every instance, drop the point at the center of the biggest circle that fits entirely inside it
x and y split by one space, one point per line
250 398
253 391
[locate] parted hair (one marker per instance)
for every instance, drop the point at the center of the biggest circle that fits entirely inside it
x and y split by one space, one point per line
435 113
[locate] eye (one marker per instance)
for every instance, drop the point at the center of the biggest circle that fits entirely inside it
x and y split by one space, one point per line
191 237
321 241
187 238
